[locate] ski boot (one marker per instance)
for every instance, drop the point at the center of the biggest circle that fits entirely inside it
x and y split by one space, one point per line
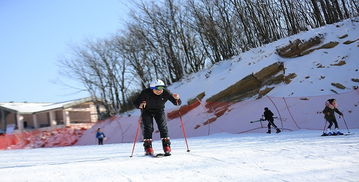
338 132
324 134
166 144
278 130
269 132
329 132
147 144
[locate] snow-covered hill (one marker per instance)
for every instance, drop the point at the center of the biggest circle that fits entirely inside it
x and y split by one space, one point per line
289 156
224 145
297 104
311 80
326 72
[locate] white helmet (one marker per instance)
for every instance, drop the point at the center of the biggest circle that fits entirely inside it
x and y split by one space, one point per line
157 83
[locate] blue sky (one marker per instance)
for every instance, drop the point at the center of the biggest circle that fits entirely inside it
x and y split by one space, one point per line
36 34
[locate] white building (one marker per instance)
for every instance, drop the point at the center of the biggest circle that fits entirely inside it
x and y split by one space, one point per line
17 117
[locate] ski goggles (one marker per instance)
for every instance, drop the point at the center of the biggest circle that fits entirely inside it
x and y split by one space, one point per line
158 88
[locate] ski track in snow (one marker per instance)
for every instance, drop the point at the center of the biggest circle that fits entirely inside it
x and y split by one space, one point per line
289 156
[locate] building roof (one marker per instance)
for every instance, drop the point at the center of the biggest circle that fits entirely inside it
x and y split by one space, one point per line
31 107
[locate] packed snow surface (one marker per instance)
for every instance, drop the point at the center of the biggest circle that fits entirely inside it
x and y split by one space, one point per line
301 155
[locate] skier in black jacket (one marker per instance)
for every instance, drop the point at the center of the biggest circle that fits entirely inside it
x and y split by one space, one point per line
152 103
268 115
328 111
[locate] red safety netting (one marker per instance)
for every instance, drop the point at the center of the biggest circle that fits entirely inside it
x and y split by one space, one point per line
35 139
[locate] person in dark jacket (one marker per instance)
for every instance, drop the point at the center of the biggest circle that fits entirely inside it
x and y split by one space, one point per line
328 111
100 136
268 115
152 101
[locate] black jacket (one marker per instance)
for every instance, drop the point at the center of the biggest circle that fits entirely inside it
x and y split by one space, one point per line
268 115
329 113
153 101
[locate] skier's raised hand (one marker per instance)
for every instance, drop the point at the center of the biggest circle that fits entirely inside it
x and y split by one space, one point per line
176 96
142 105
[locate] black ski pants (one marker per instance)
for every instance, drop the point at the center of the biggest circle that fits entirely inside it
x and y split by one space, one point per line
147 123
271 123
100 141
332 121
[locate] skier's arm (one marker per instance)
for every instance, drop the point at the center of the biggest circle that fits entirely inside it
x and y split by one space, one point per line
174 98
337 111
140 101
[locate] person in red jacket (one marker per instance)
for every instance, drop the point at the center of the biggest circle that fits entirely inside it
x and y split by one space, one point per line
152 101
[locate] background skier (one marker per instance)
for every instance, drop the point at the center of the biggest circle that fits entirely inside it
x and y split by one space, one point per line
268 115
328 111
152 103
100 136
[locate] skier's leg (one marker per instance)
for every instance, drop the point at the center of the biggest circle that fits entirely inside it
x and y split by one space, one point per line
160 118
275 126
337 132
147 123
330 123
329 132
335 123
269 127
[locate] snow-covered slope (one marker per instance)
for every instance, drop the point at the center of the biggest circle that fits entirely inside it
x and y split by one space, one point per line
226 73
290 156
297 104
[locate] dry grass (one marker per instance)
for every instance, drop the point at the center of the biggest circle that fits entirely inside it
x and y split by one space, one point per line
338 85
340 63
320 65
334 91
264 92
349 41
289 78
298 47
328 45
343 36
245 85
250 86
325 46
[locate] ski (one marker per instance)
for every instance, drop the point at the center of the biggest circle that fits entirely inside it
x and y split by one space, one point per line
345 134
158 155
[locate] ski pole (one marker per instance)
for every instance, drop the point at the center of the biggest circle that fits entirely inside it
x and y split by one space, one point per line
346 124
183 130
134 142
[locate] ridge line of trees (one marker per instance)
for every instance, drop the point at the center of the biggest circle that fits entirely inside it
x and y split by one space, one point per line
173 38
